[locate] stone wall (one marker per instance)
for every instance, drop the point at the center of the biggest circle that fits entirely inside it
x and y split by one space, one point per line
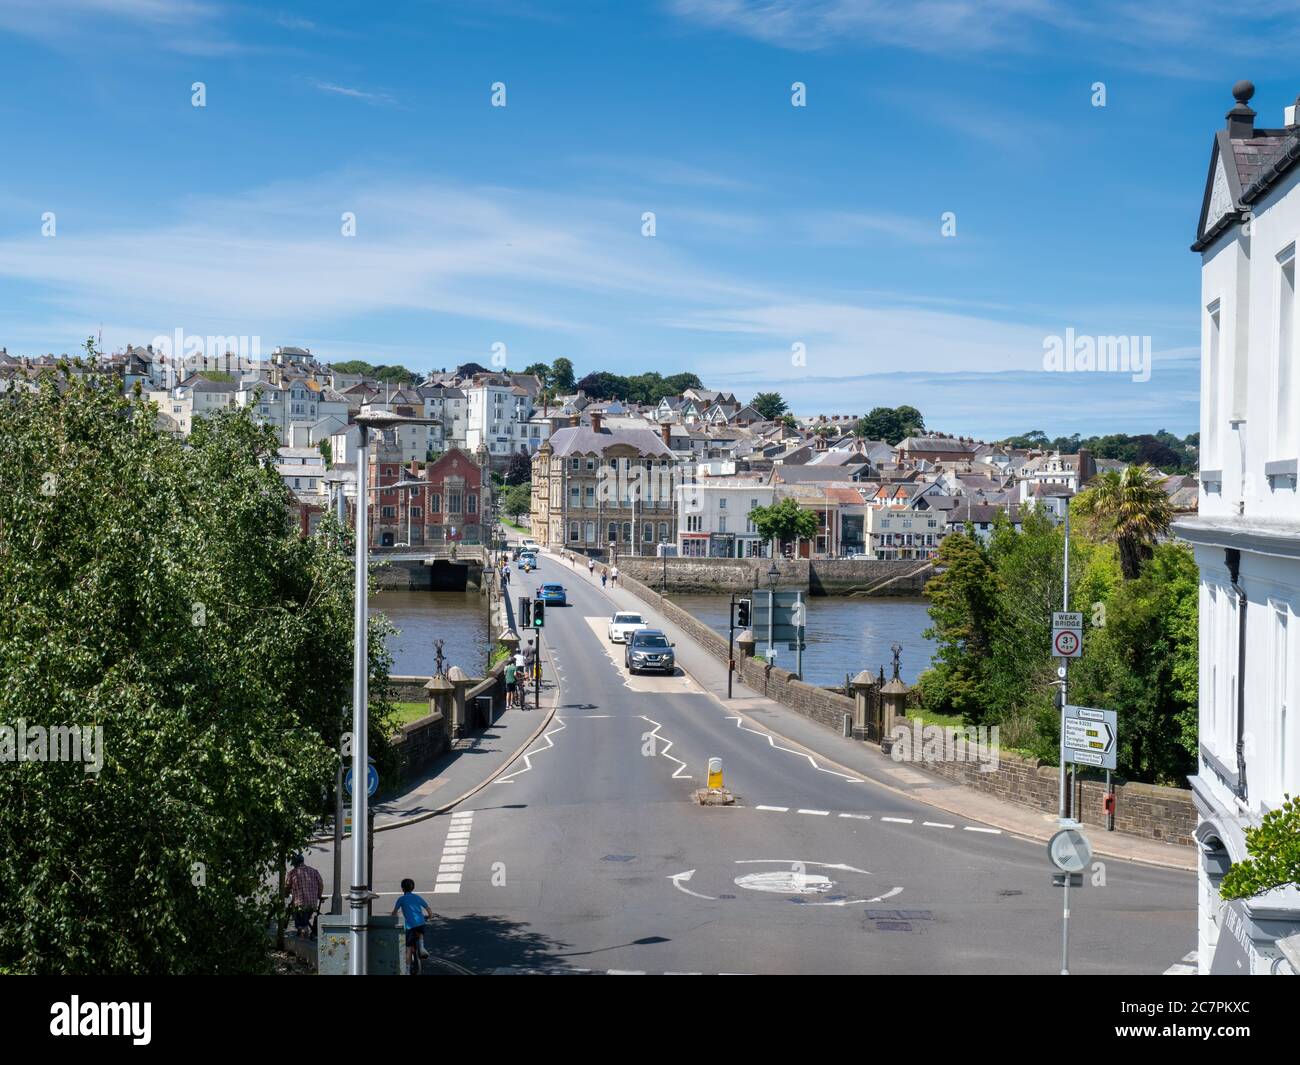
1146 810
837 576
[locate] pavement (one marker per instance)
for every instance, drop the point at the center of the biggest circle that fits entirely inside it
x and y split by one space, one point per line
589 854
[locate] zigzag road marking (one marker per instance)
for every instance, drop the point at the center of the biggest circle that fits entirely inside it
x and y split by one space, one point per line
677 773
798 754
528 755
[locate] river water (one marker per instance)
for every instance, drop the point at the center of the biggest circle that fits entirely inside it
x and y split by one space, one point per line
459 619
844 635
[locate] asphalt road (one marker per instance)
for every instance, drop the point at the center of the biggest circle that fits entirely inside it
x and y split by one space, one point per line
590 854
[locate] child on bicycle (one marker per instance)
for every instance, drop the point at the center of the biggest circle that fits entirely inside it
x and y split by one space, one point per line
414 911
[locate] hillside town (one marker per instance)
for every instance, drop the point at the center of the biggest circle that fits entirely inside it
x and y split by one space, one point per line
680 477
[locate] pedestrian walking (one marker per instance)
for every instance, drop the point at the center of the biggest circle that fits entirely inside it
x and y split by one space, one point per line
604 576
306 890
613 575
591 566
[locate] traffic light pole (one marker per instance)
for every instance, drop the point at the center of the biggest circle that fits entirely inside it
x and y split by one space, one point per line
731 637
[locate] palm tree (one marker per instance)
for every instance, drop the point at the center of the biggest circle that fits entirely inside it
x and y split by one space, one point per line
1129 508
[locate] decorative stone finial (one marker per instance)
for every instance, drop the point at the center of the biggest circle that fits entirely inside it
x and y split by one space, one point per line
1243 91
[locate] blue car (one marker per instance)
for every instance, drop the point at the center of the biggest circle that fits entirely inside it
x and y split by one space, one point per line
553 594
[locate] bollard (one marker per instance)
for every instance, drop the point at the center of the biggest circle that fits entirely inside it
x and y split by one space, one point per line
848 725
715 774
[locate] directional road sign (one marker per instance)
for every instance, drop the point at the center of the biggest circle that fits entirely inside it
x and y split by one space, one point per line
1090 736
1069 851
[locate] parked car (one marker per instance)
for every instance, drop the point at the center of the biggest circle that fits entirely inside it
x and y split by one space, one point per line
623 624
649 649
552 594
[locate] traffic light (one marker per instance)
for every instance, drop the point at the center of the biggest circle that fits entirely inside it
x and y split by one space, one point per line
525 611
742 613
539 614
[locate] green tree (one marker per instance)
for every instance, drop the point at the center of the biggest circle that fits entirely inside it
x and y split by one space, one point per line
562 379
964 605
541 371
769 404
159 590
890 424
517 500
1273 847
784 521
1129 508
326 451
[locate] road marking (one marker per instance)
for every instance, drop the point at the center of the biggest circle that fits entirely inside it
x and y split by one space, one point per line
771 740
774 809
451 867
936 824
898 820
816 813
858 817
677 774
528 755
976 828
679 878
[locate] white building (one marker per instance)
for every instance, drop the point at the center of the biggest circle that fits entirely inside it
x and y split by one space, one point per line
1246 535
499 416
195 397
904 533
713 515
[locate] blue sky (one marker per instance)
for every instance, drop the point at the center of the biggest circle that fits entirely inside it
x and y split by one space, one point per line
522 225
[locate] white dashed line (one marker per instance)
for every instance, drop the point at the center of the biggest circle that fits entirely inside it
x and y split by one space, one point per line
816 813
858 817
898 820
936 824
774 809
976 828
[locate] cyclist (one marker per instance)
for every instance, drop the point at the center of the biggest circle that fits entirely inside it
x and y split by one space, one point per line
414 911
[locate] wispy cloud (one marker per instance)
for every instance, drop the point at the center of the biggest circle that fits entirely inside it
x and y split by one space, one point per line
378 99
191 27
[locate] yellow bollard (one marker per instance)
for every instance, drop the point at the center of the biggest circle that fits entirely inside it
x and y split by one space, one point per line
715 774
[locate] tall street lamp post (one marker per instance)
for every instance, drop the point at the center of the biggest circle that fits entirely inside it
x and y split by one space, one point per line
359 895
773 575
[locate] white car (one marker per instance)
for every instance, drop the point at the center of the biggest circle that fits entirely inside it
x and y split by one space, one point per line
623 623
529 544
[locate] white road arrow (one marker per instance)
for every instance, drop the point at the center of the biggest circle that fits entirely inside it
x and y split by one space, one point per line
677 880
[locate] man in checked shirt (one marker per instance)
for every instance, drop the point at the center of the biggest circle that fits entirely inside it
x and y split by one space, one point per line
306 888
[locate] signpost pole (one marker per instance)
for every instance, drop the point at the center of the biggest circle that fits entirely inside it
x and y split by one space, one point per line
1065 930
1065 666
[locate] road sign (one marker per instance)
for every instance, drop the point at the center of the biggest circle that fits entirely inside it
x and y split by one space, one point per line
1067 634
1090 736
372 780
1069 851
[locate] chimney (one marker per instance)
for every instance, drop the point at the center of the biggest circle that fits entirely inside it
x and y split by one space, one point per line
666 431
1241 119
575 420
595 421
1086 467
1292 114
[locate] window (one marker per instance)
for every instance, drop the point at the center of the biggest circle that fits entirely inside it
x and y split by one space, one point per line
613 531
647 532
1212 386
416 512
388 512
722 502
722 523
573 531
435 502
663 531
471 504
575 495
692 523
453 502
573 463
590 530
627 532
1285 378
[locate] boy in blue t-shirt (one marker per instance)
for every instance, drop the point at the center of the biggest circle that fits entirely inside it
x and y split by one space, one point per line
413 909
